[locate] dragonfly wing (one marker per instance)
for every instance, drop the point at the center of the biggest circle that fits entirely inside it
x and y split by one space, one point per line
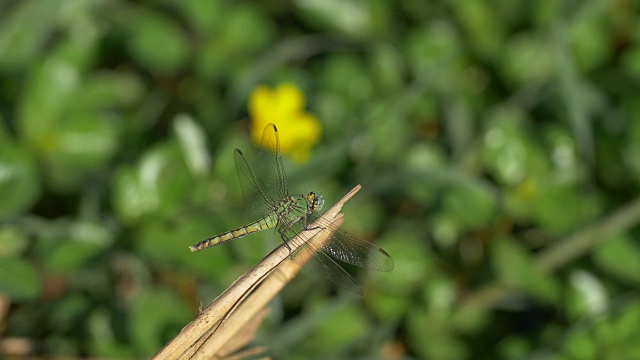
265 186
312 259
269 168
257 203
354 251
317 263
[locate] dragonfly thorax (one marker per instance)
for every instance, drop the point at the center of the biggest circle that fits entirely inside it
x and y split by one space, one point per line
315 201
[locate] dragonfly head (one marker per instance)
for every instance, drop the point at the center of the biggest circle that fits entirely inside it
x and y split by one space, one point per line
315 201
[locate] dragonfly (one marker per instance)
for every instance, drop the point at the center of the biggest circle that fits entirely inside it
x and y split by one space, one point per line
268 203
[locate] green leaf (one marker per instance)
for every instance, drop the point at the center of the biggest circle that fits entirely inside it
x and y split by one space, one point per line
19 185
523 63
231 50
69 312
413 262
508 152
19 279
103 336
587 296
80 244
590 36
384 119
611 336
158 42
12 241
472 204
193 142
620 257
428 164
515 267
108 89
631 61
81 144
25 30
48 92
626 325
388 68
204 15
483 24
156 316
351 17
431 337
70 256
168 243
388 306
347 66
434 50
159 183
560 208
339 328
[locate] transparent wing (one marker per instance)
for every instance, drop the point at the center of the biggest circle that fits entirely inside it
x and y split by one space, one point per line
313 260
340 246
352 250
257 203
266 185
321 265
269 168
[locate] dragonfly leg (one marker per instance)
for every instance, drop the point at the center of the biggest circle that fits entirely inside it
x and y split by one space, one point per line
306 226
286 243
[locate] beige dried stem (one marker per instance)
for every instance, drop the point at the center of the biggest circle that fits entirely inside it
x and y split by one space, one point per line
229 322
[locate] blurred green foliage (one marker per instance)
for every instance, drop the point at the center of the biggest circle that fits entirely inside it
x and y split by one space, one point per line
497 142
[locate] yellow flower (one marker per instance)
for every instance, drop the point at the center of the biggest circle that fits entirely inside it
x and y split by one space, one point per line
284 106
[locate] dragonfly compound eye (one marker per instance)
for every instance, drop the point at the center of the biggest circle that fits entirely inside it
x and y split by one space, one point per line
315 201
318 202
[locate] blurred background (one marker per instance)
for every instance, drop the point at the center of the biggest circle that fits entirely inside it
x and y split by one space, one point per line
497 143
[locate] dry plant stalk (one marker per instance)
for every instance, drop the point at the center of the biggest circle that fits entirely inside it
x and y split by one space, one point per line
234 316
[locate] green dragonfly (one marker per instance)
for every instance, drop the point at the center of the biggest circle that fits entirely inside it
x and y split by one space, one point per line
267 202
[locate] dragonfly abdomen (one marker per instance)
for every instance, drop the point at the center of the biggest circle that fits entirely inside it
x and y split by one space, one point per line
262 224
